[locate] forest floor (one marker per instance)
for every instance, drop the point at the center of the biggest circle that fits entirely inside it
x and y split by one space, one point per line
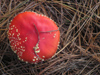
79 48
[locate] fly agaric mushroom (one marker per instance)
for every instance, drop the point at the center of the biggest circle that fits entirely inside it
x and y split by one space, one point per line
33 37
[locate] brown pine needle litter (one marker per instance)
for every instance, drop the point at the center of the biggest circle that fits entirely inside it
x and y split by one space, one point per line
79 48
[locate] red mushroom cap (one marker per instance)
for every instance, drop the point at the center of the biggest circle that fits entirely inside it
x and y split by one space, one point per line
33 37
